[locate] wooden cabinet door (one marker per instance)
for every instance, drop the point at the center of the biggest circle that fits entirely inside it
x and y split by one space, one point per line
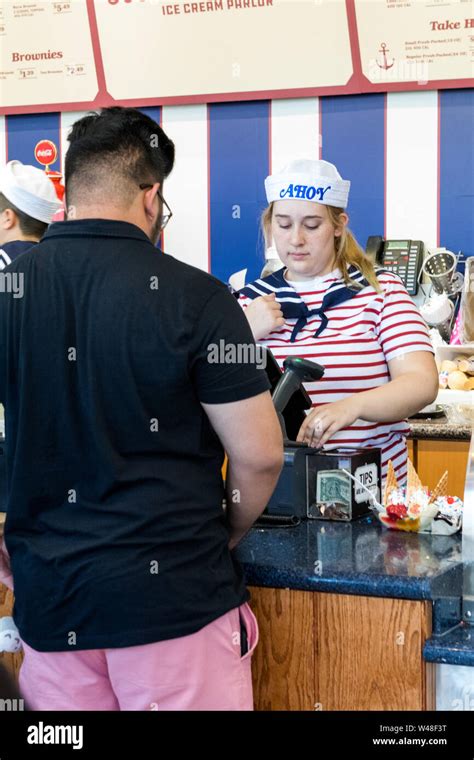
369 653
283 662
340 652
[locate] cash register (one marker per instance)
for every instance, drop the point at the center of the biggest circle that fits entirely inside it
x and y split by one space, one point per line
314 483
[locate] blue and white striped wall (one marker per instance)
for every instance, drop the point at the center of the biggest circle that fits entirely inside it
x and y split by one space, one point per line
410 157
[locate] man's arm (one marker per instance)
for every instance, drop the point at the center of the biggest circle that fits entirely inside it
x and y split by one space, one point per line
250 433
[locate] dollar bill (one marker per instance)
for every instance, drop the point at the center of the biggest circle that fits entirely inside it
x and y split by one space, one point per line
333 486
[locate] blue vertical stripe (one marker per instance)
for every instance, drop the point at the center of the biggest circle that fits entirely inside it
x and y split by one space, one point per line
154 112
26 130
456 171
353 138
239 164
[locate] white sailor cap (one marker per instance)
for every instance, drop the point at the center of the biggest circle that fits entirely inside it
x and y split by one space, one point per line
30 190
309 180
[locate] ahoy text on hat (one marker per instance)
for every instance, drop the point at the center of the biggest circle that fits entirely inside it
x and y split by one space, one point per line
309 180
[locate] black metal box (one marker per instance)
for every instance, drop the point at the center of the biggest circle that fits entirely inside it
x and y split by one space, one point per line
312 483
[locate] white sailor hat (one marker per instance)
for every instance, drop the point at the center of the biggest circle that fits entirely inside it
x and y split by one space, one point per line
30 190
309 180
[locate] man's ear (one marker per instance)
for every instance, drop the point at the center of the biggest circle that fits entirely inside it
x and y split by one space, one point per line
149 200
8 219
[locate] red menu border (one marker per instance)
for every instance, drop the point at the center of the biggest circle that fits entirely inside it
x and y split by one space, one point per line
357 84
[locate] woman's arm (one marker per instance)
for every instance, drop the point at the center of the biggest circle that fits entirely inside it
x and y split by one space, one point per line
264 315
413 385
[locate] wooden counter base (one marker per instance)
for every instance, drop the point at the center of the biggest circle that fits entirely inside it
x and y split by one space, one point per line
339 652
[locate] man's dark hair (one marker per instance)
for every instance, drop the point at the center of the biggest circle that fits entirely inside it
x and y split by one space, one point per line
29 227
114 151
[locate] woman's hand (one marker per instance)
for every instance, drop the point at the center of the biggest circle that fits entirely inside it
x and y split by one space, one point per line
321 423
264 315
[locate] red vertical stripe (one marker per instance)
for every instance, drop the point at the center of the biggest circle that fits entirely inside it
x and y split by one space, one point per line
6 139
320 128
385 166
208 188
270 114
60 143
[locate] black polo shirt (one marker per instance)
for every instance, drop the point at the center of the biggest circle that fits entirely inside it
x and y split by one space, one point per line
115 524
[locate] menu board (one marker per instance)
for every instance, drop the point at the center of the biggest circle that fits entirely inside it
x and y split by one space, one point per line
90 53
416 40
46 53
224 46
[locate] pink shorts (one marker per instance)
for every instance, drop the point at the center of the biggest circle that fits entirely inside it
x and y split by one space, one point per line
202 671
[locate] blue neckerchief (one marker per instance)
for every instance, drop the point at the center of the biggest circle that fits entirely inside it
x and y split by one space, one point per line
293 306
10 251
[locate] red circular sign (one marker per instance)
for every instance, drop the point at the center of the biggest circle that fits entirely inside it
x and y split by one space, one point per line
46 152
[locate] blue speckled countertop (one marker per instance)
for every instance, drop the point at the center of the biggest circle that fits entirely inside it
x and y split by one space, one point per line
454 648
361 557
364 558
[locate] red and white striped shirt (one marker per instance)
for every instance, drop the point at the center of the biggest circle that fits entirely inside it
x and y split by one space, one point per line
362 335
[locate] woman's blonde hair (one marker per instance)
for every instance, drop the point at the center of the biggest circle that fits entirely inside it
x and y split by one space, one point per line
348 250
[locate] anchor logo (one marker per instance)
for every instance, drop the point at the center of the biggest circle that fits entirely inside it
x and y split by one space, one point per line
385 65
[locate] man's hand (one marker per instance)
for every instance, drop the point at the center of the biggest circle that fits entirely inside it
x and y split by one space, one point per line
250 433
264 315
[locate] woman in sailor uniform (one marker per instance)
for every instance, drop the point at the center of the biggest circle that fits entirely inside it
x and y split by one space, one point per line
328 304
28 203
